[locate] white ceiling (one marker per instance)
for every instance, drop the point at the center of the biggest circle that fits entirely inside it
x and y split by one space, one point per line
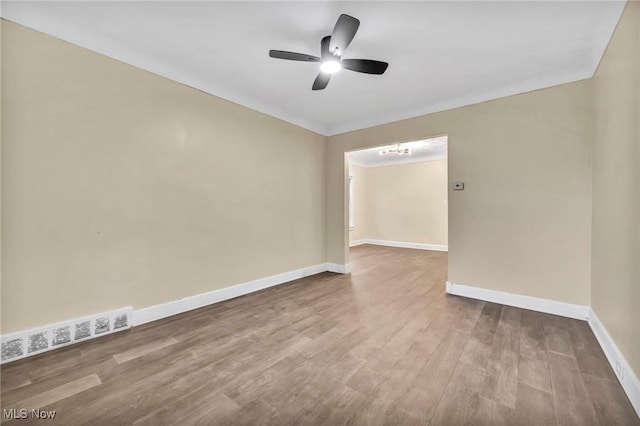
442 54
422 150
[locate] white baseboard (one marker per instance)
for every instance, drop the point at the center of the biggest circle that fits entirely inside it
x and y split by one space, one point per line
355 243
163 310
35 341
563 309
402 244
53 336
619 364
340 269
42 339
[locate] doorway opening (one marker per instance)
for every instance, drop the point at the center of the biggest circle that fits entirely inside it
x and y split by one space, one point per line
398 195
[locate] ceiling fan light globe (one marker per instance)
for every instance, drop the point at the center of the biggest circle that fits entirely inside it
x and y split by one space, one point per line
330 67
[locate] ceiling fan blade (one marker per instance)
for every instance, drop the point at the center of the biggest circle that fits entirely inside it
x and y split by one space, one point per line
325 53
366 66
293 56
343 33
321 81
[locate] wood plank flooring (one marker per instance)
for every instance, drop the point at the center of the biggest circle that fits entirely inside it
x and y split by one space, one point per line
382 346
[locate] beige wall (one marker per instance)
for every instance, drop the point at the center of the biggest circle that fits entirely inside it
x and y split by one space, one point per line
615 291
360 232
120 187
523 222
407 202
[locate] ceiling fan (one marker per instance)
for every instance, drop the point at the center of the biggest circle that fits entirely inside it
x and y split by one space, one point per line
331 49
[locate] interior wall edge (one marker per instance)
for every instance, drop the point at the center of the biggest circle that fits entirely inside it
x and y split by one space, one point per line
339 268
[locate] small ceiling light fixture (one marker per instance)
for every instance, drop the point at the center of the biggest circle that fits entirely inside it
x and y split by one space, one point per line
331 66
396 149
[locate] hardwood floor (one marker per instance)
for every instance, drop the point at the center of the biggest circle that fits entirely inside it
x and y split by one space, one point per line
384 345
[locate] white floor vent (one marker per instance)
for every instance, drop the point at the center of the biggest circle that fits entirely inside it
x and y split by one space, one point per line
31 342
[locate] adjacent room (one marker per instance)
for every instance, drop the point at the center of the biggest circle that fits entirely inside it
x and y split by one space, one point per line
398 195
305 213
